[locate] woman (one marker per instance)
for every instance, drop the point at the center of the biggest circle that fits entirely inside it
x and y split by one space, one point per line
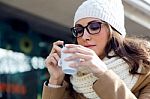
112 66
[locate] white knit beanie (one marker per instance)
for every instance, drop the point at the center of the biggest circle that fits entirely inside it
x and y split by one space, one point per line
110 11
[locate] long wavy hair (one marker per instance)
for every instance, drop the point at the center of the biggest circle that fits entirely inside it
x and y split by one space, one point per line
135 51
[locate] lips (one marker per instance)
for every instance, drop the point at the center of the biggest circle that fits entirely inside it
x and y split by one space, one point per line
89 46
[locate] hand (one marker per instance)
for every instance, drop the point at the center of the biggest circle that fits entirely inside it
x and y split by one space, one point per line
90 60
51 62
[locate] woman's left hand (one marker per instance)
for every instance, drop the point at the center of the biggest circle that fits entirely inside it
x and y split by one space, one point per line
88 58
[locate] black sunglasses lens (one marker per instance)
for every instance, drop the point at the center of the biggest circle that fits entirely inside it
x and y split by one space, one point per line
74 31
78 31
94 27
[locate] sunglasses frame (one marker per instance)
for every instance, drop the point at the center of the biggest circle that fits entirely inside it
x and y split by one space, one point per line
86 27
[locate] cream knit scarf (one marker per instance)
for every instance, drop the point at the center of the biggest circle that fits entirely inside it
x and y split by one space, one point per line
83 81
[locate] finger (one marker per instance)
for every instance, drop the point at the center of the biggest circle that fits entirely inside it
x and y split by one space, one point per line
56 56
77 64
50 61
54 61
77 49
74 65
77 56
72 45
58 43
56 48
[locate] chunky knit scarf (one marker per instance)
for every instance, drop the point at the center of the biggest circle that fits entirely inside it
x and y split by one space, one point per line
83 81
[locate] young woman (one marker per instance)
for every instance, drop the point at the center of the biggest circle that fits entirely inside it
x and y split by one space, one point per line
112 66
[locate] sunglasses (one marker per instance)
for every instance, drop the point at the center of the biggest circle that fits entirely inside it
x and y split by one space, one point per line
93 27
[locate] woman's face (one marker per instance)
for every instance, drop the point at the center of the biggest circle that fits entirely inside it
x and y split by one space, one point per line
96 42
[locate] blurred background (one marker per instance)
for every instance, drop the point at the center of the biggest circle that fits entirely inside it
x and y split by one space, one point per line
29 27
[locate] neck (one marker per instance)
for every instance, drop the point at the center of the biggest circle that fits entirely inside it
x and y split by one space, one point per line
102 56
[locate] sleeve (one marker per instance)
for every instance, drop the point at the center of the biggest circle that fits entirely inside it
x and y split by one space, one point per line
110 86
54 93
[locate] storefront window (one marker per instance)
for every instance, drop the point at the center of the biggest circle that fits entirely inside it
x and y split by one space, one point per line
21 76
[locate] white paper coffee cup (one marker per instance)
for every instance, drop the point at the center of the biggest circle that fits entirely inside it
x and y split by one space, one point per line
65 64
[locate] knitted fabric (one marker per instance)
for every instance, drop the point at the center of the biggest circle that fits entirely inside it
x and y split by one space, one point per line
83 81
110 11
83 84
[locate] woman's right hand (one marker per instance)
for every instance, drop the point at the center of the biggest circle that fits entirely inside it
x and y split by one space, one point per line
51 62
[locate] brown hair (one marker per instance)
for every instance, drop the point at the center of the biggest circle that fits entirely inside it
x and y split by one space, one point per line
134 51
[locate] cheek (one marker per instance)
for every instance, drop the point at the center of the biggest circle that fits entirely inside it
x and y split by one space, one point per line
101 42
100 46
80 41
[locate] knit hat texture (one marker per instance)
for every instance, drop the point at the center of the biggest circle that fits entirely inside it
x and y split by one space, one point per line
110 11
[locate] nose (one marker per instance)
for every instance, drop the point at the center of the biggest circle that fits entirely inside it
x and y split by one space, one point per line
86 35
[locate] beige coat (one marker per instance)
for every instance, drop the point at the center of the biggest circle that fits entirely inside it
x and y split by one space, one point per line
108 86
